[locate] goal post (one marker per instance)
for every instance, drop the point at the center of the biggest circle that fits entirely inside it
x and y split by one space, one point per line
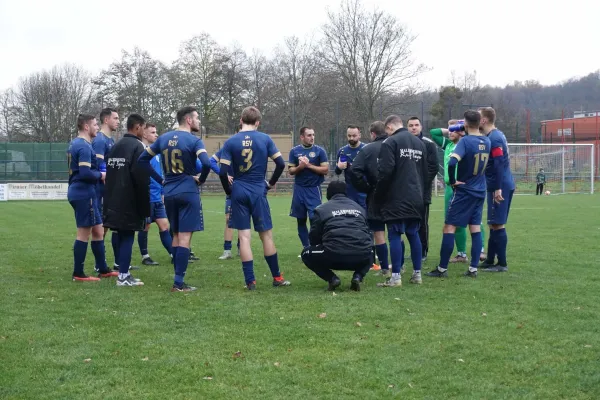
569 167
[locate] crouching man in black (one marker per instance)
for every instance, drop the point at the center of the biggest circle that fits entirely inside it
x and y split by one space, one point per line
339 239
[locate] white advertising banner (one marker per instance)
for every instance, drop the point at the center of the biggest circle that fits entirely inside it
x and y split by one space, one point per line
3 192
35 191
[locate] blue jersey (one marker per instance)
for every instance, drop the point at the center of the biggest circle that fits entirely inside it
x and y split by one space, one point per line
83 170
156 189
316 156
247 153
102 145
179 151
472 153
349 154
499 154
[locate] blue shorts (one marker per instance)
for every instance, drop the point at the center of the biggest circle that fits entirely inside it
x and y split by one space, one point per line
246 204
464 209
376 225
497 213
157 211
408 226
184 211
356 196
305 200
87 213
228 205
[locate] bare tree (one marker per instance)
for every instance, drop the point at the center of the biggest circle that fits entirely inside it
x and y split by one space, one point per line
9 112
372 53
235 73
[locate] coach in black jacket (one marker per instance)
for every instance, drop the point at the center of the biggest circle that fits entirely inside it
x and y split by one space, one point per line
339 239
127 194
415 127
401 177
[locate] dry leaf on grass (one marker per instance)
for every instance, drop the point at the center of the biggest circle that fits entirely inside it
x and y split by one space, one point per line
483 314
358 324
277 364
145 359
237 354
461 360
208 378
322 315
87 360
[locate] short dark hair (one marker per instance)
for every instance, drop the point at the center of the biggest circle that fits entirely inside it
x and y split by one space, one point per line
489 113
393 119
413 118
304 129
106 112
378 128
335 187
135 119
351 126
472 119
184 112
150 125
251 115
83 119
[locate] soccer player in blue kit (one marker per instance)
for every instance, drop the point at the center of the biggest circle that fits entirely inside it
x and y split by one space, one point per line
248 152
466 171
83 178
345 158
228 234
179 150
500 190
308 165
102 143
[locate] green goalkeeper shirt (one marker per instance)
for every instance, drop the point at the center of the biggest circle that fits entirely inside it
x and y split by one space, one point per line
446 145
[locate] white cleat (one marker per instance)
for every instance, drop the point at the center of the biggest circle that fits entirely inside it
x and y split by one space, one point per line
226 255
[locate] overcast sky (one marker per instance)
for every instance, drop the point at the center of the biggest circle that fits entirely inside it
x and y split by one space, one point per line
503 40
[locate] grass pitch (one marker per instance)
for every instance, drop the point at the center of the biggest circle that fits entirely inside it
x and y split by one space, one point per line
533 332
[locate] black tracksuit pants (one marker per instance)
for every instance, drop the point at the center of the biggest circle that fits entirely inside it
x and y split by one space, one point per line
322 262
424 232
539 189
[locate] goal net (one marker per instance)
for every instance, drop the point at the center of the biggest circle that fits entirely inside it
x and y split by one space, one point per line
569 168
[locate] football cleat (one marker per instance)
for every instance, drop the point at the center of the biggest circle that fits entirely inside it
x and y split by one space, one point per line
85 278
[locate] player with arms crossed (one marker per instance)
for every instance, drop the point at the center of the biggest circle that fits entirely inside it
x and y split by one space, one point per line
179 150
248 152
466 172
83 179
346 156
500 190
308 165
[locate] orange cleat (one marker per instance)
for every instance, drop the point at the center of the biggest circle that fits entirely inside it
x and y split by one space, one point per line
108 274
375 267
85 278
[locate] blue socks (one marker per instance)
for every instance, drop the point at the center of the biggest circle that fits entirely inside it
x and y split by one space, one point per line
476 243
501 243
382 254
99 255
79 251
396 251
491 252
167 241
416 250
273 265
446 250
303 232
126 239
182 257
227 245
114 239
248 268
143 242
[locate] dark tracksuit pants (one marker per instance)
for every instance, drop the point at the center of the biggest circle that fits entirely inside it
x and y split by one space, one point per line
539 189
424 231
322 262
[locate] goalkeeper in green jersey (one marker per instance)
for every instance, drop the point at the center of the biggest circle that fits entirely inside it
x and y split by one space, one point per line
448 144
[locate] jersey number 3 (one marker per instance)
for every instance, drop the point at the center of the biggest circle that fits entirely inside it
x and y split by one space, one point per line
173 164
247 154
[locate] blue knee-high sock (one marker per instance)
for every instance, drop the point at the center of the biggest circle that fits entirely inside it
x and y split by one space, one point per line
181 263
174 257
501 243
416 250
79 252
403 253
166 240
238 244
227 245
446 250
114 239
382 254
248 269
126 239
476 243
396 252
143 242
491 252
273 263
303 232
99 255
